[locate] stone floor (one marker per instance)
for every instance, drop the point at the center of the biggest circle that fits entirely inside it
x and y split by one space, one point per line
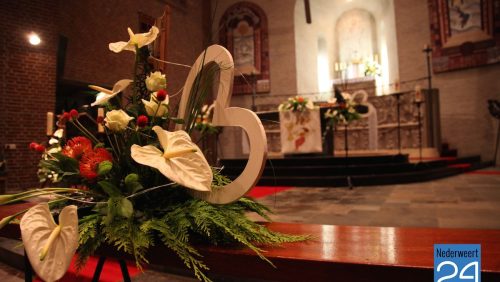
463 201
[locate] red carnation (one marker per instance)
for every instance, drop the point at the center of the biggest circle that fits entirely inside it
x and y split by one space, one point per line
90 162
40 148
161 95
73 113
142 120
33 145
76 147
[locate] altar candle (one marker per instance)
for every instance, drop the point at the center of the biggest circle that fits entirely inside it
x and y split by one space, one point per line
336 66
50 123
376 58
418 93
100 113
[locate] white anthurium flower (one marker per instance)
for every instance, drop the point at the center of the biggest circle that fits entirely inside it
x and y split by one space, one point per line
59 133
117 120
156 81
154 107
139 39
50 247
105 95
181 160
54 150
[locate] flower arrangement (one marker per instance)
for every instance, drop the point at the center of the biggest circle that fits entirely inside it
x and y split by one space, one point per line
296 104
372 68
343 110
133 186
203 121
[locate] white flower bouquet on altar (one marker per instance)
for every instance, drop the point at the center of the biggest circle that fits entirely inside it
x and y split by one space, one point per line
296 104
142 185
343 110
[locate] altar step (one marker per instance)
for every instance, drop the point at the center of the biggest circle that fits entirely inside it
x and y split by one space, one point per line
314 171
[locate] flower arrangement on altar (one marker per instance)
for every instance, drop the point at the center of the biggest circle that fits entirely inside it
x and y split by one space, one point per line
296 104
343 110
204 121
136 185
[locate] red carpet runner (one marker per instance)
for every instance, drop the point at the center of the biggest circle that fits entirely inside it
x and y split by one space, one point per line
110 272
263 191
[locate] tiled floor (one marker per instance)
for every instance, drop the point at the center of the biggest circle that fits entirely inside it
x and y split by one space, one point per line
464 201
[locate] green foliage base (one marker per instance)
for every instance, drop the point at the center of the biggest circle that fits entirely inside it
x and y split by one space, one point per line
177 226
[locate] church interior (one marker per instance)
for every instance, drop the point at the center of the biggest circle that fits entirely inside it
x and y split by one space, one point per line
374 114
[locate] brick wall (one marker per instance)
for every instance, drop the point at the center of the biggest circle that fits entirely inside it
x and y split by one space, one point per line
91 25
28 73
28 82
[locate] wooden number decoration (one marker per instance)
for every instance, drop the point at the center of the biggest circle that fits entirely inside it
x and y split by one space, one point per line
229 116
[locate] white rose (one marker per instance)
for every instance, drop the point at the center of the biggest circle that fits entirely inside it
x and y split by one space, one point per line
117 120
156 81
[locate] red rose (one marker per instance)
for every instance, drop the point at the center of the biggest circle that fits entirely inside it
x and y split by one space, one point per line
161 95
300 99
142 120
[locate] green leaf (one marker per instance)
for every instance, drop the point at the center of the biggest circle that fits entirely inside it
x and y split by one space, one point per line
125 208
177 120
132 183
104 167
132 177
66 163
111 211
109 188
99 145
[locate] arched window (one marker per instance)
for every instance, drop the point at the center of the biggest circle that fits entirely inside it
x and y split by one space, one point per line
243 31
356 40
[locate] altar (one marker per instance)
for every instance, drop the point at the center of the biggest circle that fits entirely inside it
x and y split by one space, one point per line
393 131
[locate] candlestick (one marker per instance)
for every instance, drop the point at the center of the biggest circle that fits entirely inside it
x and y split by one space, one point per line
418 93
50 123
100 113
397 85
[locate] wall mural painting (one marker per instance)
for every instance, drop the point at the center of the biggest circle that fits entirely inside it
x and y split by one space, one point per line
243 31
464 33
